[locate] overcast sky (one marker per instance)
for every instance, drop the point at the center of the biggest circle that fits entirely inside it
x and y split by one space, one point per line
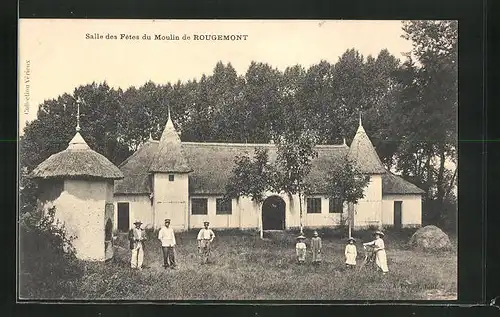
61 58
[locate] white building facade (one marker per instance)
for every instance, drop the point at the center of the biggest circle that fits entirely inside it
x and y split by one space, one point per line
185 181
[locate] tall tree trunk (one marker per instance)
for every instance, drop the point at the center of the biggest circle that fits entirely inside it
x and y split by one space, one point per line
300 209
261 228
350 212
451 183
440 187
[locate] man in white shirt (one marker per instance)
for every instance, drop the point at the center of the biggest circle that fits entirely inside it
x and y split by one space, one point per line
167 237
205 238
136 237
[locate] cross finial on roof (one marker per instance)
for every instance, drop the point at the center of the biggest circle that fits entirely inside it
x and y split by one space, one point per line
78 116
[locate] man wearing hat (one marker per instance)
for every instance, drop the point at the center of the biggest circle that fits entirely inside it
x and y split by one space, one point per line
136 237
167 237
205 238
379 249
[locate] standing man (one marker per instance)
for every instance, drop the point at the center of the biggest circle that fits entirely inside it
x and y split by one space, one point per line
205 238
167 237
137 236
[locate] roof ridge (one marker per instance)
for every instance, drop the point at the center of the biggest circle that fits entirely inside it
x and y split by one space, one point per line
248 144
256 144
133 154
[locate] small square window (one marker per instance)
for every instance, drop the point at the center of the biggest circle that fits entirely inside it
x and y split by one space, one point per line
199 206
171 177
336 205
223 207
313 205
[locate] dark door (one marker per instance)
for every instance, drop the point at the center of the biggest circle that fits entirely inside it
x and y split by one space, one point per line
123 217
397 214
273 214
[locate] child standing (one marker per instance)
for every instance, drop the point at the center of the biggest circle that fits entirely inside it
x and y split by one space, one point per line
316 248
350 253
301 249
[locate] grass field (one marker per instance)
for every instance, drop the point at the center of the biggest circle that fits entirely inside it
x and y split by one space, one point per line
248 268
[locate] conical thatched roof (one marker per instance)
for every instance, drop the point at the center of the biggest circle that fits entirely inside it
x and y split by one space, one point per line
78 160
170 157
363 154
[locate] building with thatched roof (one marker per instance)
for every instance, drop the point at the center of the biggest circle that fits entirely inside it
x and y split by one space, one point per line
185 181
79 183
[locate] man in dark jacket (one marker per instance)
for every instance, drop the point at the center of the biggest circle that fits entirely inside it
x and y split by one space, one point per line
136 237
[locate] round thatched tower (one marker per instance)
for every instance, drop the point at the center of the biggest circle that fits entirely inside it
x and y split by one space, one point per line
78 182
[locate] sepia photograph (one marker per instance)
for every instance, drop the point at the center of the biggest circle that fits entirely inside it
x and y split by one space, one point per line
236 160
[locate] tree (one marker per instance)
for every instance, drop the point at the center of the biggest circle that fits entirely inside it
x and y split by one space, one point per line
346 184
100 106
295 151
318 96
429 106
251 177
227 99
261 105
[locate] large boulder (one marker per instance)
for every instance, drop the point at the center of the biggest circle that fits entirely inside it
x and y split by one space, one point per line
430 238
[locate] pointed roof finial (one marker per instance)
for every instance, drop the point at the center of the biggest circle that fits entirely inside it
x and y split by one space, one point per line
360 124
150 136
168 108
344 141
78 116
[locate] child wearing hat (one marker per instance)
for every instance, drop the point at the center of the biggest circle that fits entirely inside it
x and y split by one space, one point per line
300 249
316 248
350 253
379 249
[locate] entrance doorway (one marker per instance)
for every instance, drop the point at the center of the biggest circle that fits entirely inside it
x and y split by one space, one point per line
398 221
123 217
273 213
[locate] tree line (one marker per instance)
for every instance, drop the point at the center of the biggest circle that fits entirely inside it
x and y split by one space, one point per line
409 110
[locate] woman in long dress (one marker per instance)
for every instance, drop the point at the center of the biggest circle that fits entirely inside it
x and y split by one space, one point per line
379 249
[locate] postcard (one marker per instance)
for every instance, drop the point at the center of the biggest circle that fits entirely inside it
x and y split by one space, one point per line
180 160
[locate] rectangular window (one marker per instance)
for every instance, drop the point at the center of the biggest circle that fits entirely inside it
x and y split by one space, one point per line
171 178
223 207
313 205
199 206
336 205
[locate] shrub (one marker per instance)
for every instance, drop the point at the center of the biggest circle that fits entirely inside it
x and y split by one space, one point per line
45 230
47 257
